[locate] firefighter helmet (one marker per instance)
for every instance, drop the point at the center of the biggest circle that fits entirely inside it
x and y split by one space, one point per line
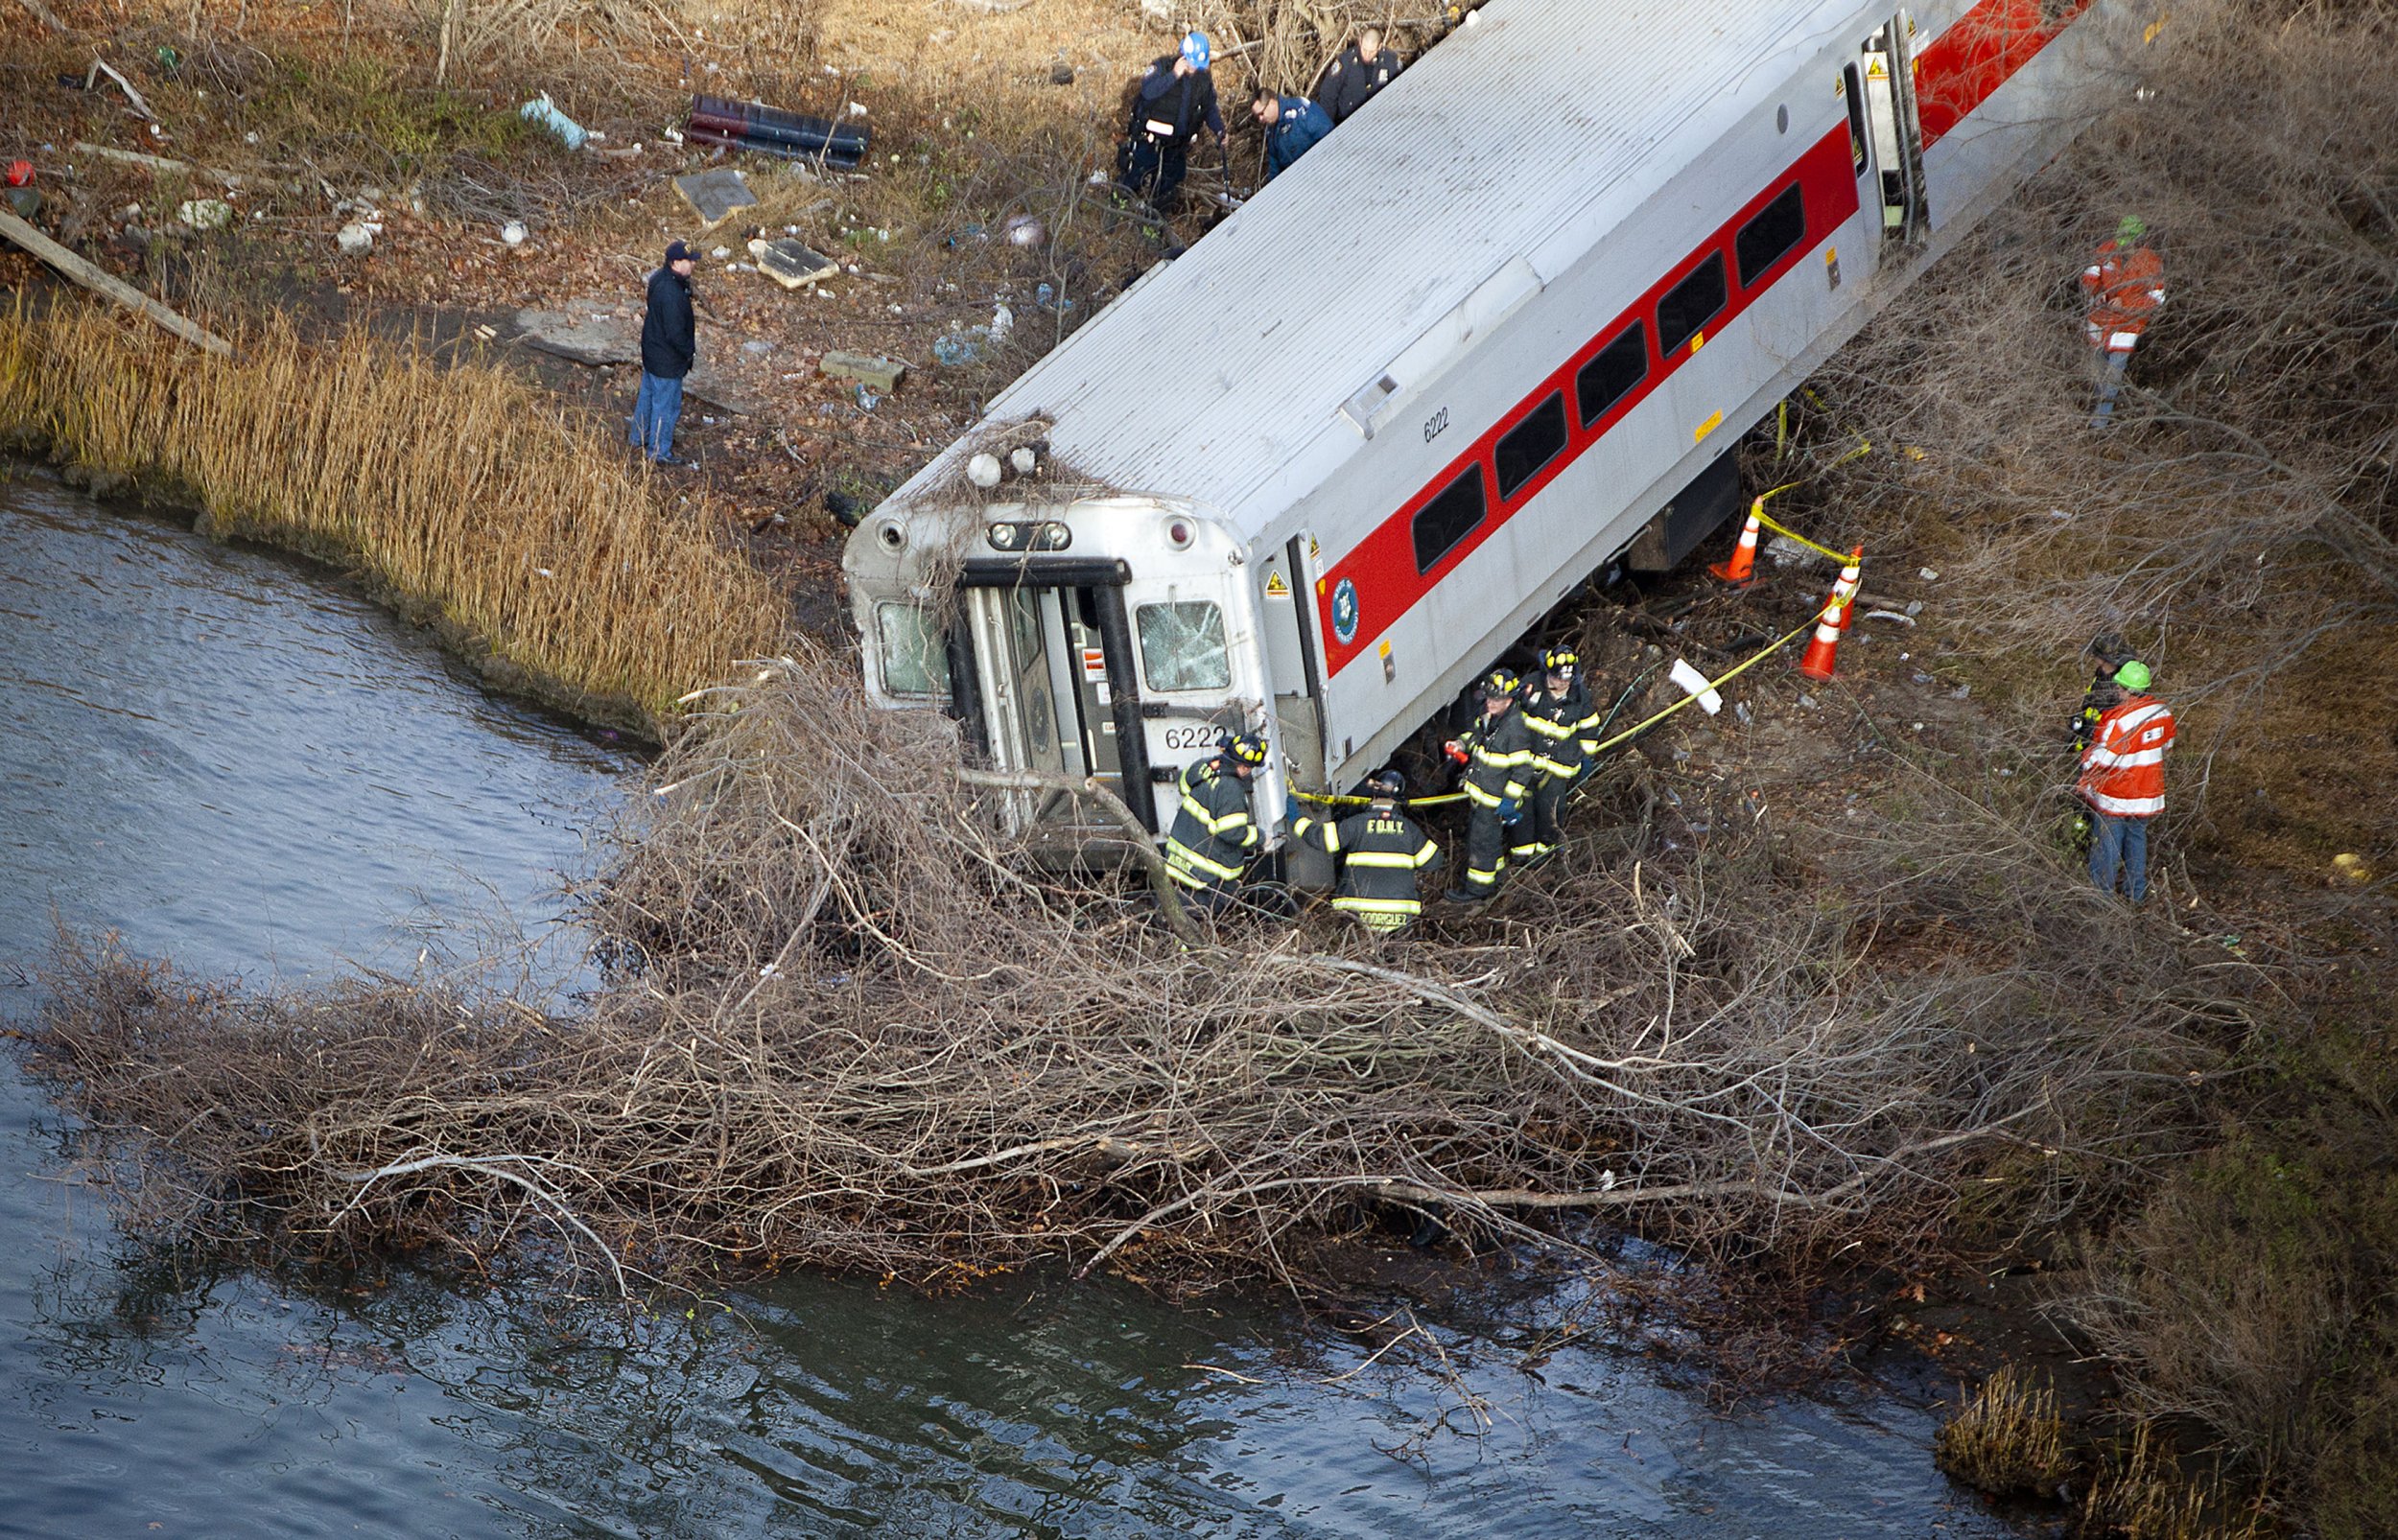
1560 661
2110 648
1387 782
1499 683
2132 228
2134 675
1247 748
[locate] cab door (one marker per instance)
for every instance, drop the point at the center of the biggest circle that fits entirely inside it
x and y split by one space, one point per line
1195 636
1882 89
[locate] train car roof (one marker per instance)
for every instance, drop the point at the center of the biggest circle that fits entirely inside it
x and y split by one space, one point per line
1522 138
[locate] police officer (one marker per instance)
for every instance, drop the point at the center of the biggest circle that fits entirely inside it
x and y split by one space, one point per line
1564 728
1173 100
1213 835
1363 68
1496 753
1380 851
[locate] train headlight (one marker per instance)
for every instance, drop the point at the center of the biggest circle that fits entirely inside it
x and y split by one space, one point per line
1051 535
1005 536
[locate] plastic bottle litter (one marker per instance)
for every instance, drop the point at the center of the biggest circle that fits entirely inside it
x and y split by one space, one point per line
868 400
1042 294
954 348
513 233
544 112
1003 322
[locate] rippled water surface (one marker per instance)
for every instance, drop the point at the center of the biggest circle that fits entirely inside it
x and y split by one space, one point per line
239 763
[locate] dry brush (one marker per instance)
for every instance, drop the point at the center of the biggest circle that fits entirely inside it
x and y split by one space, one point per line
848 1024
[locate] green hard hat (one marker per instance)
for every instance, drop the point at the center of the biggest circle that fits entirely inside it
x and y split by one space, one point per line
2134 675
2131 228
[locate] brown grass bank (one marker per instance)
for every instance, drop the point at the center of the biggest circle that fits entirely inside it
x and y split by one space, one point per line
461 493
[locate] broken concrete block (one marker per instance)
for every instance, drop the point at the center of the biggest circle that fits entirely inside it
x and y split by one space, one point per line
880 373
790 264
715 193
354 239
205 213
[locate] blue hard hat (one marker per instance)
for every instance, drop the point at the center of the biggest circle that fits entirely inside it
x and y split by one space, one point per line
1195 50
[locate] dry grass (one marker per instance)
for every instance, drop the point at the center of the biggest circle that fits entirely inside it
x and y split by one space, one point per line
460 492
2009 1436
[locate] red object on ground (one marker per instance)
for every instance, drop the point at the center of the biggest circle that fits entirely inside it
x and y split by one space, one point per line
1818 662
20 173
1744 557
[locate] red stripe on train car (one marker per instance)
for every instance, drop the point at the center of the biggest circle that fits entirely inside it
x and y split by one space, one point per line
1381 567
1981 53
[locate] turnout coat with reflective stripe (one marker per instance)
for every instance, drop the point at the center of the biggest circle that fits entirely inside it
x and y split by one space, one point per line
2123 770
1380 851
1501 763
1212 832
1564 730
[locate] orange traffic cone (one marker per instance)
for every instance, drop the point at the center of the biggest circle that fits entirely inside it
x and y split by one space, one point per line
1744 558
1844 592
1817 662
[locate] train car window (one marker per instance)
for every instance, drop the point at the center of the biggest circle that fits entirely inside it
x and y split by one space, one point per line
1181 646
915 653
1449 518
1690 305
1529 446
1767 238
1606 379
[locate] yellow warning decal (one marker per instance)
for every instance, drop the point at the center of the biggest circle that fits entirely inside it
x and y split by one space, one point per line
1277 587
2154 27
1705 428
1877 68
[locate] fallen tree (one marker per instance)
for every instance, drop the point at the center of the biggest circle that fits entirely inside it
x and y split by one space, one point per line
847 1025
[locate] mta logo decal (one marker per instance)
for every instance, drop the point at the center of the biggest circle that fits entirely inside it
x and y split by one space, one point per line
1345 611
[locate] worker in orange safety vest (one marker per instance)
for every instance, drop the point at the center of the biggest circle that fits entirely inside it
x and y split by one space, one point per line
2122 780
2124 282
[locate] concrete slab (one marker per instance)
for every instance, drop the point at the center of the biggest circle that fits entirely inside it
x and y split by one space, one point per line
790 264
600 334
716 195
875 373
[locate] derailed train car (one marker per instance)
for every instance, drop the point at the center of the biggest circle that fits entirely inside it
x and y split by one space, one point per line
1501 329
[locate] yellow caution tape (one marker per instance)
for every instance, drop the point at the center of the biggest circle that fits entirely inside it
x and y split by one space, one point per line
1757 507
1322 799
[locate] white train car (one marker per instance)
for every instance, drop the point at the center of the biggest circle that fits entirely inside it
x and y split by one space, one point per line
1500 329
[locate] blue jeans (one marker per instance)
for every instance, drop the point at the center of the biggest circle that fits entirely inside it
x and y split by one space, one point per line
2120 841
655 409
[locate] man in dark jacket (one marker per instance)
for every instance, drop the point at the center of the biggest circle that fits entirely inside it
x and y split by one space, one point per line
1214 834
1380 851
1496 751
1173 100
668 341
1364 67
1292 124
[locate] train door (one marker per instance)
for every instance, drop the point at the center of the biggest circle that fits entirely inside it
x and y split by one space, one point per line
1882 91
1286 617
1046 656
1196 632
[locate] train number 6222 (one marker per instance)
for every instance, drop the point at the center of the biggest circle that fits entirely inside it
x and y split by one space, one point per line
1201 737
1434 424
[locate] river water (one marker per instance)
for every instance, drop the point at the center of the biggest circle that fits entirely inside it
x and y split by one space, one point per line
236 761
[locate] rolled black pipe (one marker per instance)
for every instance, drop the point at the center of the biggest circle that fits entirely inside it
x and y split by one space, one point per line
755 120
769 146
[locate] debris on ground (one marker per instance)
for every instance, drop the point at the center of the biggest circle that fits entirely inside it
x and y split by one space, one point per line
878 373
544 112
355 240
767 130
204 213
716 195
791 263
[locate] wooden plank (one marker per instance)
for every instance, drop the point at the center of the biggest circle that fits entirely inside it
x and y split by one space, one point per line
105 283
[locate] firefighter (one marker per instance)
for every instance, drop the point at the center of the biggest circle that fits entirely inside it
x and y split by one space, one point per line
2122 780
1496 754
1380 851
1173 100
1564 728
1213 835
2126 283
1363 68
